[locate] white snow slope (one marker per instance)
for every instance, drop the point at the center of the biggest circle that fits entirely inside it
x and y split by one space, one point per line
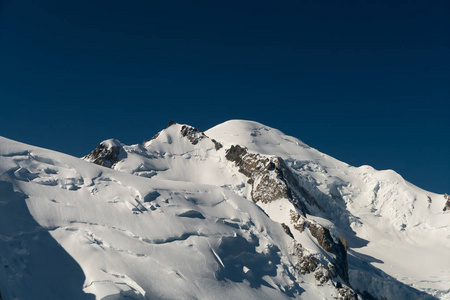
176 219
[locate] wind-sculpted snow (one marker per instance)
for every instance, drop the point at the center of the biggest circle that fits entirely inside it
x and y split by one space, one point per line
379 214
240 211
264 165
126 236
33 264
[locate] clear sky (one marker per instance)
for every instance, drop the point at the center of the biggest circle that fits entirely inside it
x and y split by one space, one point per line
367 82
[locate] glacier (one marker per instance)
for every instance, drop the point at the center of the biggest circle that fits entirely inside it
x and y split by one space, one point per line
238 211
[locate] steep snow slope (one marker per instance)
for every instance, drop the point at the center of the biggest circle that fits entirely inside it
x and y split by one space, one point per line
170 155
240 211
75 230
385 221
401 228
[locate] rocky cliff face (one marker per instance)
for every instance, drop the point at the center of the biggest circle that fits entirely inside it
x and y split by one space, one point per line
270 178
106 154
447 204
194 136
323 274
323 237
298 192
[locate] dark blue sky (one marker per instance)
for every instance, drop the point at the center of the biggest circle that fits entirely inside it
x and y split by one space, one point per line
367 82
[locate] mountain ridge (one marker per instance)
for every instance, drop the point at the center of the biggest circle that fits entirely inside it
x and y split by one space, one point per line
326 210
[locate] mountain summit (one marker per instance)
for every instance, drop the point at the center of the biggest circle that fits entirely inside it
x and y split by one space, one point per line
240 211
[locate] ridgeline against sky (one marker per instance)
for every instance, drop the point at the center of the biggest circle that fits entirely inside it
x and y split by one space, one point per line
366 82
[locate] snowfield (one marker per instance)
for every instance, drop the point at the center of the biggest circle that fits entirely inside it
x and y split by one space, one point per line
189 215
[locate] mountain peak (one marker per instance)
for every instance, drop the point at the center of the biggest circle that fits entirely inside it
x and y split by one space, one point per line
240 210
256 137
171 122
107 153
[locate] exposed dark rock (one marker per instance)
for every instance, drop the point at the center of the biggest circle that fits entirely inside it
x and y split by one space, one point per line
270 177
322 276
287 229
194 136
343 242
236 154
104 156
345 293
447 204
308 264
217 145
323 237
155 136
171 122
267 188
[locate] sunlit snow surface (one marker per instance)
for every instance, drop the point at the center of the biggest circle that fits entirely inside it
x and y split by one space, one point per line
132 236
173 220
406 232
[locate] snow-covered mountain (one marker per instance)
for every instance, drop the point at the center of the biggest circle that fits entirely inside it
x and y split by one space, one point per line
240 211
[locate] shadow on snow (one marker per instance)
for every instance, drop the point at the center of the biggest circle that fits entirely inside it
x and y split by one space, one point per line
33 264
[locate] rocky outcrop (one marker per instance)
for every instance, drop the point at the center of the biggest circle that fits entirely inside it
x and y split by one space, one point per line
345 293
106 154
287 230
323 237
155 136
308 264
447 204
270 178
194 136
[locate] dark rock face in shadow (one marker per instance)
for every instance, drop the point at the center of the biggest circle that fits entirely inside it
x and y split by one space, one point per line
323 237
106 157
33 265
447 204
